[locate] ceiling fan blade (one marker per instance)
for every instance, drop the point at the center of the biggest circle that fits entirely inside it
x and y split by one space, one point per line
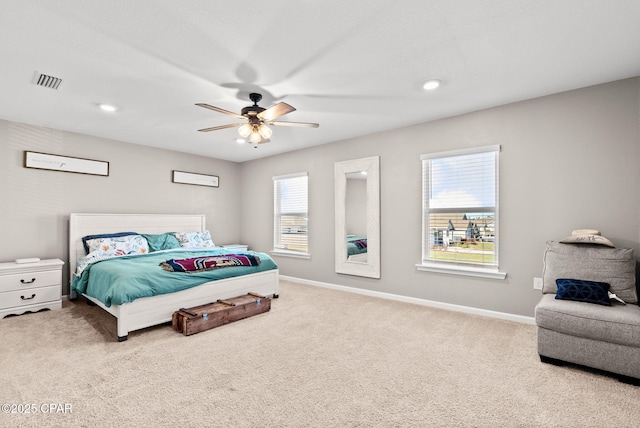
215 128
220 110
276 111
299 124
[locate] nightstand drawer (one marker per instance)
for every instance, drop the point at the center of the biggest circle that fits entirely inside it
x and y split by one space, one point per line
12 299
27 280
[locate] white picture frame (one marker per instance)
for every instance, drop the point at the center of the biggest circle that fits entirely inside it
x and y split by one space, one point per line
51 162
183 177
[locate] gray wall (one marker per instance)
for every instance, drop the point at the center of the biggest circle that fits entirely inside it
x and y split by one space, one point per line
568 161
36 204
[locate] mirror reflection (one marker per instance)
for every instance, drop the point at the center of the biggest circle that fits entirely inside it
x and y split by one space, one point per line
356 216
357 234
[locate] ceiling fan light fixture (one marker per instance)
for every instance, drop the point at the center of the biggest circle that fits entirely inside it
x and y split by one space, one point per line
430 85
265 131
255 137
245 130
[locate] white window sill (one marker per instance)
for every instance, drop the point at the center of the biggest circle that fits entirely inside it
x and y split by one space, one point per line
461 270
293 254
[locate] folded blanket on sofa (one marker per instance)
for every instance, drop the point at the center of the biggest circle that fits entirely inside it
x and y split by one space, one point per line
199 264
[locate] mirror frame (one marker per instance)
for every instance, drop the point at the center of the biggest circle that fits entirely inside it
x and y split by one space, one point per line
371 268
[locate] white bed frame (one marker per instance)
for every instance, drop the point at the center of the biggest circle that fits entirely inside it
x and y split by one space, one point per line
149 311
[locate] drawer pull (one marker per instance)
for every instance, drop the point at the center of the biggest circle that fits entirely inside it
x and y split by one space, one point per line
28 298
28 282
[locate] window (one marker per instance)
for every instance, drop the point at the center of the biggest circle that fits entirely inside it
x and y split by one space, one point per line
460 212
290 225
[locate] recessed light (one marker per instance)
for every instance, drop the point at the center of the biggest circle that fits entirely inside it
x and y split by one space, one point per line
240 140
430 85
107 107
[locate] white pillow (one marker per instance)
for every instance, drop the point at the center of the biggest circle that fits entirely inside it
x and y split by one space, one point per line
195 239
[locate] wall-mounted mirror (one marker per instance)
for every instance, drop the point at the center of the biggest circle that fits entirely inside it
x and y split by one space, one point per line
357 236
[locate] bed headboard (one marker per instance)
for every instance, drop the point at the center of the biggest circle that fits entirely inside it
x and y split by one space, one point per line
81 224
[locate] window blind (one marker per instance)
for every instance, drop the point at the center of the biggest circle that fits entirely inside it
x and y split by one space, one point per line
290 202
460 207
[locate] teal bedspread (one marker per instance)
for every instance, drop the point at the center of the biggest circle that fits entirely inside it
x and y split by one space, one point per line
123 279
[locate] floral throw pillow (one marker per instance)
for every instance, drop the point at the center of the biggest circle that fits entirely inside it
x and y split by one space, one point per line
119 246
195 239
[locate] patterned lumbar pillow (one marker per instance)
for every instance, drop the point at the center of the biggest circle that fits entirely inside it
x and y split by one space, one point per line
583 291
195 239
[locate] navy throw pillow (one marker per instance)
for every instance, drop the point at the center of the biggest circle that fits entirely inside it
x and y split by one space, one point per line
583 291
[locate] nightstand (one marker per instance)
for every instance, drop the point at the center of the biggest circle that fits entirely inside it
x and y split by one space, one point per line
236 248
31 287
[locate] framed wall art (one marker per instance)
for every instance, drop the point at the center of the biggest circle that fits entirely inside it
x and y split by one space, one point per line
65 163
194 178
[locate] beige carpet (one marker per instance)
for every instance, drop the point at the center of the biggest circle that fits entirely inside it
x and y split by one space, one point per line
320 358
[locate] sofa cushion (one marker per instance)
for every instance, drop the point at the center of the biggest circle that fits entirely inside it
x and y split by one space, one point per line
583 291
617 323
615 266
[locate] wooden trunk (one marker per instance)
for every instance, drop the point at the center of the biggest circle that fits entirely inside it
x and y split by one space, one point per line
204 317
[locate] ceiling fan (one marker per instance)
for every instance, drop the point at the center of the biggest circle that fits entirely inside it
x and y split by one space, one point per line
256 129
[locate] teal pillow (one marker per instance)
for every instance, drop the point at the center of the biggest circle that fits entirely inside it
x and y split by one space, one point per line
583 291
162 241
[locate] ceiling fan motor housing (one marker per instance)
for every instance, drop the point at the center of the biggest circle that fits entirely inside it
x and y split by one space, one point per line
253 110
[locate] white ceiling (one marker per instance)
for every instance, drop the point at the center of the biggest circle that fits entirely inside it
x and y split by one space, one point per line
356 67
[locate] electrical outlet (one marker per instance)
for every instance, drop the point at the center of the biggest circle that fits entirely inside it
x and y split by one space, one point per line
537 283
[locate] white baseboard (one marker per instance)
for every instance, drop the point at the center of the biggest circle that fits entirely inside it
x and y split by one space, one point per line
414 300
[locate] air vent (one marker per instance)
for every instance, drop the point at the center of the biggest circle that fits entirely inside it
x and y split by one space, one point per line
46 81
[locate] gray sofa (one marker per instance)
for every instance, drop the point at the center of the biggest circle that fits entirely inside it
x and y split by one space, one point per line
582 332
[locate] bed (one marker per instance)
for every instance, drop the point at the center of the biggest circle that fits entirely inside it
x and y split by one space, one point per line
149 311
